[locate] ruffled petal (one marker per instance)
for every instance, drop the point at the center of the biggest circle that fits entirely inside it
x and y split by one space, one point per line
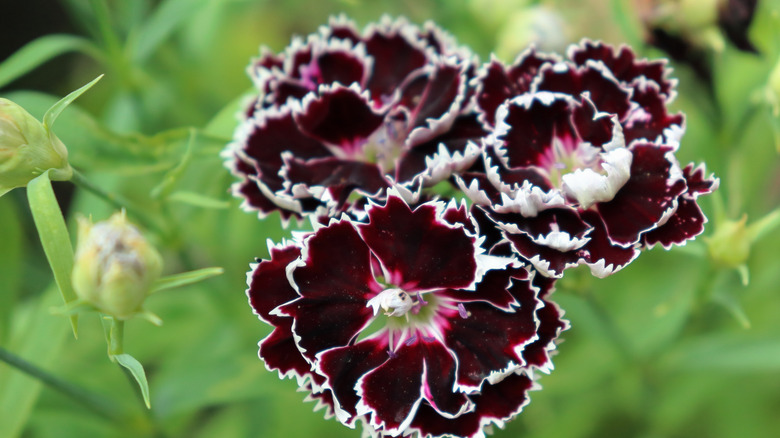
334 290
418 250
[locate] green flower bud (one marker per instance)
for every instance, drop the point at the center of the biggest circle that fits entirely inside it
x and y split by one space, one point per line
729 246
115 267
27 149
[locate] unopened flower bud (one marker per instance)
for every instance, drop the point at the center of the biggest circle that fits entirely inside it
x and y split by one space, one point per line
729 246
27 149
115 267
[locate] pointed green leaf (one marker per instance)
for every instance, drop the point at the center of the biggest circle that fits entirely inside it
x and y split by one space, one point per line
197 200
186 278
725 297
38 51
172 176
54 112
39 338
137 370
11 258
163 21
54 237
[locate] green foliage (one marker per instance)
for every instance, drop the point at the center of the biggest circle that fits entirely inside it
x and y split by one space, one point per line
672 346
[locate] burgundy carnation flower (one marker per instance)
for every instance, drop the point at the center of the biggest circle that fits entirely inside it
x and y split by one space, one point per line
404 323
344 115
579 164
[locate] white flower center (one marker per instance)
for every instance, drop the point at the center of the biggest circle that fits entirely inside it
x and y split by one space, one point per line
395 302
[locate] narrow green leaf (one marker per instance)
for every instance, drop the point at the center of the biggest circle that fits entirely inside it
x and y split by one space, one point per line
164 20
186 278
11 258
728 352
172 176
628 23
37 337
54 112
725 297
41 50
197 200
137 370
54 237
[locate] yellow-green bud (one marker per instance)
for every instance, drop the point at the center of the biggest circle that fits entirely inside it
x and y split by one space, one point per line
27 149
115 266
729 246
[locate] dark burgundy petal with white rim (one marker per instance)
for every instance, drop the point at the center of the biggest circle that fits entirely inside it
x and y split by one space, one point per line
418 249
649 196
334 289
496 404
623 64
344 366
339 117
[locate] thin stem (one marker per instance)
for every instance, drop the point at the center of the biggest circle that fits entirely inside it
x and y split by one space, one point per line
118 202
116 344
94 402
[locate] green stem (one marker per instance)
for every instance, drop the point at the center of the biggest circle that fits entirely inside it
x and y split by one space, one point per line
616 337
94 402
118 202
116 344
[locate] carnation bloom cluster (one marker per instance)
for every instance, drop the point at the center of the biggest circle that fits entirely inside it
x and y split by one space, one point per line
446 197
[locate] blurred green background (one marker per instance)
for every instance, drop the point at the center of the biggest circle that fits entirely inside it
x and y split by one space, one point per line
673 346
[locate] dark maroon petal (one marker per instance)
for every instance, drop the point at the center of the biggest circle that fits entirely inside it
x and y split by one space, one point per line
487 229
340 177
341 27
549 261
255 200
340 117
532 127
645 199
604 91
268 283
495 404
650 118
551 324
340 67
438 384
596 129
464 129
544 223
498 83
600 253
424 370
394 57
324 399
492 289
273 133
431 93
686 223
418 250
495 87
279 351
344 366
489 342
281 89
526 67
698 184
268 60
335 283
393 391
459 214
734 17
622 63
